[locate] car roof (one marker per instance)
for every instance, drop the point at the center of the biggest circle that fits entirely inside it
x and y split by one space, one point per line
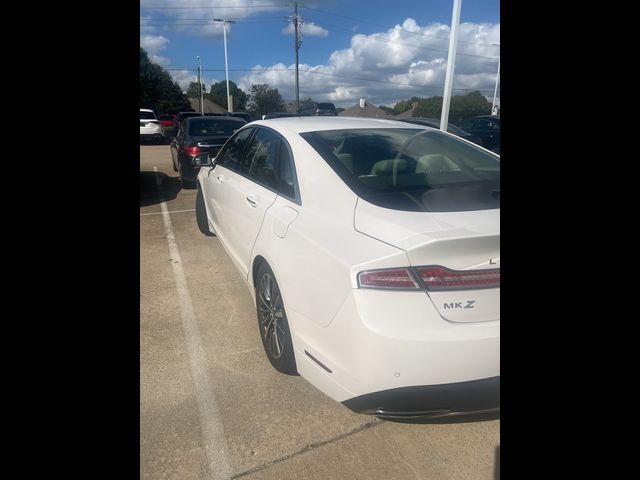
217 118
310 124
421 120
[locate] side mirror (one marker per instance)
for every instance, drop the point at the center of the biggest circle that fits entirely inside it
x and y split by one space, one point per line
203 160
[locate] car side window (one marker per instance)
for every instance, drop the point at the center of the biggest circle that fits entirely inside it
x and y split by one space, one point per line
261 159
229 157
286 175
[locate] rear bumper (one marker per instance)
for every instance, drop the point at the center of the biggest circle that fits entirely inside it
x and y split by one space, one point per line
188 171
395 346
463 398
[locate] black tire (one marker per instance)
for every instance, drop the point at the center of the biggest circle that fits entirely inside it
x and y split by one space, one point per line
186 183
272 322
201 215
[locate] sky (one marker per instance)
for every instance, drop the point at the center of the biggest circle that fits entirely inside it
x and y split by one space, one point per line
381 50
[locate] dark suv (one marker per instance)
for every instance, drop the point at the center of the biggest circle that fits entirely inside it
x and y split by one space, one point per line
320 109
200 134
487 127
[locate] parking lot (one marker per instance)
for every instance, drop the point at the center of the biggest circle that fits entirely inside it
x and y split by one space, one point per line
211 404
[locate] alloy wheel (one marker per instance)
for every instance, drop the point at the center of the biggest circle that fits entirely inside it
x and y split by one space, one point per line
271 315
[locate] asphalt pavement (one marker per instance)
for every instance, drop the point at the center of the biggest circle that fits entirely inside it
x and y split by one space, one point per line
211 404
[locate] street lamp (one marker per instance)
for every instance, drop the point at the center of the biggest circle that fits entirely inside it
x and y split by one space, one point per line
226 65
493 105
200 82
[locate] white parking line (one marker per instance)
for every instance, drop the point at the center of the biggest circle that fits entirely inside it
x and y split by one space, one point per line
172 211
215 443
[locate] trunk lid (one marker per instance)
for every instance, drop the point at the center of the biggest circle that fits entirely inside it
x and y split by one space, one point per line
210 144
462 241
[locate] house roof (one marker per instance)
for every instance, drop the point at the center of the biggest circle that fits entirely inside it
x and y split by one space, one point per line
209 106
368 111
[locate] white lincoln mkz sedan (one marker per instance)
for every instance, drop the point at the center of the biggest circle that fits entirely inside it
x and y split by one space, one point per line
372 249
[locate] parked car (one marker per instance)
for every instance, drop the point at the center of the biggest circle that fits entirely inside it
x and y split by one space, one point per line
246 116
150 127
435 123
372 251
319 110
487 127
279 115
197 135
180 116
166 120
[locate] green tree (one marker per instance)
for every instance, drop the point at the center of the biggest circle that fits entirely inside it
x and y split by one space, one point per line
158 91
264 99
429 107
401 107
404 105
218 94
194 90
470 105
462 107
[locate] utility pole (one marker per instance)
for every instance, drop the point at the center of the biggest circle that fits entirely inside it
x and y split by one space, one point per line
493 105
226 64
451 61
297 46
200 83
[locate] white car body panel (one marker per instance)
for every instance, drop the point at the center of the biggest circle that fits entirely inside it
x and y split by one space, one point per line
245 203
150 129
369 339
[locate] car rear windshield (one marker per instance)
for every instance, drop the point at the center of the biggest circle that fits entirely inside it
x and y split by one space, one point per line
411 169
213 126
147 115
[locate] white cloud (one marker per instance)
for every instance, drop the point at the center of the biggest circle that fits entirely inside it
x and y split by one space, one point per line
404 61
308 29
153 43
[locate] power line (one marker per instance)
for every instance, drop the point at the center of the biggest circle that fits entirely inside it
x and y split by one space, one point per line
331 28
190 22
271 5
168 17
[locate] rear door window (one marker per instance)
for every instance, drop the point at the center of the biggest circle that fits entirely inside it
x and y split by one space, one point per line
231 154
260 161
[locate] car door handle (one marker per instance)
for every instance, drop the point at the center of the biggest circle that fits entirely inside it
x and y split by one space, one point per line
221 178
253 201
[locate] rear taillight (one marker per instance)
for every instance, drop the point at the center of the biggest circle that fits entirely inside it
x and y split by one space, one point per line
434 278
191 150
398 278
437 278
